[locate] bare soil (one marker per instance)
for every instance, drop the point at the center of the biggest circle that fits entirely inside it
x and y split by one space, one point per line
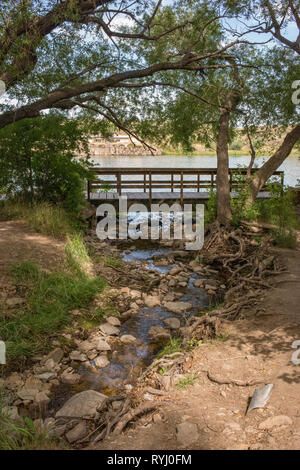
258 347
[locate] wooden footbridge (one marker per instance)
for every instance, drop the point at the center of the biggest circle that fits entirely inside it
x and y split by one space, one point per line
149 185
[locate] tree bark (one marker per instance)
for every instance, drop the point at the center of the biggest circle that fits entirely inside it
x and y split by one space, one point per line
271 165
224 213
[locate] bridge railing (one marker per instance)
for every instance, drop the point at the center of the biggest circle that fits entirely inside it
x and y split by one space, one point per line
149 180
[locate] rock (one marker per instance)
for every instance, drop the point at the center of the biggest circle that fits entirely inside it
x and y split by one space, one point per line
92 354
135 294
49 365
77 433
128 339
82 404
173 323
101 345
77 356
151 301
280 420
187 433
109 329
198 283
27 394
101 361
10 412
175 270
15 301
56 355
13 381
33 383
113 321
86 346
42 399
159 333
177 307
46 376
69 377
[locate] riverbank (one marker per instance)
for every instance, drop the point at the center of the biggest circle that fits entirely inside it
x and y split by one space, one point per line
104 356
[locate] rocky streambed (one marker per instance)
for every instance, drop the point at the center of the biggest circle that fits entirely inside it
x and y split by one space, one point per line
154 291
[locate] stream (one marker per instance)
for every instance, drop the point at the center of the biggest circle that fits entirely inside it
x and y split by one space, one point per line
127 361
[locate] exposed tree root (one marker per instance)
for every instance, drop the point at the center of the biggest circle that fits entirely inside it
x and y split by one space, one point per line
240 383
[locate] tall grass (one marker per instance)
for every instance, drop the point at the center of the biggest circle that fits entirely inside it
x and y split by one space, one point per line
21 434
50 299
43 218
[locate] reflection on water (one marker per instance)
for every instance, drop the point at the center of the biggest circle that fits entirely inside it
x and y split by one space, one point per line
291 166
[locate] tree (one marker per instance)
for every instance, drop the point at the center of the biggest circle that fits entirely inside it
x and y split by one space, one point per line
65 54
273 17
37 160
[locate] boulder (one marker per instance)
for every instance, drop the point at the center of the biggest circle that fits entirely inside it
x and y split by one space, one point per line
151 301
69 377
86 346
114 321
177 307
128 339
56 355
82 404
158 333
109 329
77 356
101 361
101 345
173 323
77 433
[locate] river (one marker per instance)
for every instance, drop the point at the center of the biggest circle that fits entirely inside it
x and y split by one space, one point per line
291 166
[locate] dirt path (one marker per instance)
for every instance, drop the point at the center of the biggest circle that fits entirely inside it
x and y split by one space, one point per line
209 415
18 243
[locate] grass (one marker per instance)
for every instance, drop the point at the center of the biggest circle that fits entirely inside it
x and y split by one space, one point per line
173 346
187 381
43 218
50 299
22 434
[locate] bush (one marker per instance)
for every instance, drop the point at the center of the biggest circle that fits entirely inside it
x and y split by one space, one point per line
37 161
279 210
210 212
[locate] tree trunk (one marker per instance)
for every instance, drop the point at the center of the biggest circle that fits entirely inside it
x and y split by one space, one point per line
271 165
224 213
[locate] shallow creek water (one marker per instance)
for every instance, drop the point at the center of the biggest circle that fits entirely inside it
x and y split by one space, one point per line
127 361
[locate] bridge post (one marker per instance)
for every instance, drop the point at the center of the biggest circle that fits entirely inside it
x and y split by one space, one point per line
119 183
181 189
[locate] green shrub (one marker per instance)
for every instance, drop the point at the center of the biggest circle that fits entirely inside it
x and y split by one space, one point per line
279 210
38 161
210 212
